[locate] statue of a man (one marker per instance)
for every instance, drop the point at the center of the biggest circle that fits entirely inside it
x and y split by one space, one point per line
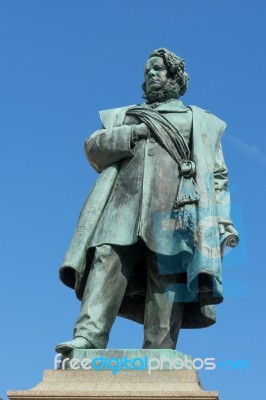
149 241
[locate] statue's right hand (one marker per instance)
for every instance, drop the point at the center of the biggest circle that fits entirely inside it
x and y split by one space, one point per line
142 131
131 120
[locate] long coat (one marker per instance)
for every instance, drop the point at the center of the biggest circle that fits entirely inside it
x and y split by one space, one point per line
203 285
141 202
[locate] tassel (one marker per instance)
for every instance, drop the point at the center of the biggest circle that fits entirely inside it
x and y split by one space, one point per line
184 206
187 193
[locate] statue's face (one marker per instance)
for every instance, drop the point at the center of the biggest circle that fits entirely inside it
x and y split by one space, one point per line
155 74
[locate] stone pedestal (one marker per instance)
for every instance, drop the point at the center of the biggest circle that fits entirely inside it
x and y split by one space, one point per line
132 380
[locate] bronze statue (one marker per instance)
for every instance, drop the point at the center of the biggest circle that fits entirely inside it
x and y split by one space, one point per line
149 241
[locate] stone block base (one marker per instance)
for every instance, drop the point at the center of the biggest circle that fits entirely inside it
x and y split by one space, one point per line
134 385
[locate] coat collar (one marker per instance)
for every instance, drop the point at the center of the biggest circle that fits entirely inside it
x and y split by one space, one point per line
172 107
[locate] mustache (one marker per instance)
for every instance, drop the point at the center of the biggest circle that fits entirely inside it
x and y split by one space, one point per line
153 79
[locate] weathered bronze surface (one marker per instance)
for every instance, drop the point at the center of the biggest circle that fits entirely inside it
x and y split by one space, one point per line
148 245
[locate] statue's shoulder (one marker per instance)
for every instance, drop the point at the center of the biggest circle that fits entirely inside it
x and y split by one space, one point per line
208 117
114 116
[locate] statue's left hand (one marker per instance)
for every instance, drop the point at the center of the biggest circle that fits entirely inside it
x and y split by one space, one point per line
230 228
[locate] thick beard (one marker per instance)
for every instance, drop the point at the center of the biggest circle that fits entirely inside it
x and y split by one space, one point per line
170 91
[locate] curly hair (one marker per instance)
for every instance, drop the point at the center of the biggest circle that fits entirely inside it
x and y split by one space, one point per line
176 68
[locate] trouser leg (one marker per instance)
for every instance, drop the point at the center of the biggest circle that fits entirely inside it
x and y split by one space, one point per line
104 291
163 314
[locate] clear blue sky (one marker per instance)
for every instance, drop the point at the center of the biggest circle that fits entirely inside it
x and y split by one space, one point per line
61 62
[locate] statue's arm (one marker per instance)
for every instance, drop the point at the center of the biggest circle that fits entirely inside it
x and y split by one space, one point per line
108 146
222 194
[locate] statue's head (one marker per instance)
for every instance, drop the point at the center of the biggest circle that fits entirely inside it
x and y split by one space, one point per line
165 76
